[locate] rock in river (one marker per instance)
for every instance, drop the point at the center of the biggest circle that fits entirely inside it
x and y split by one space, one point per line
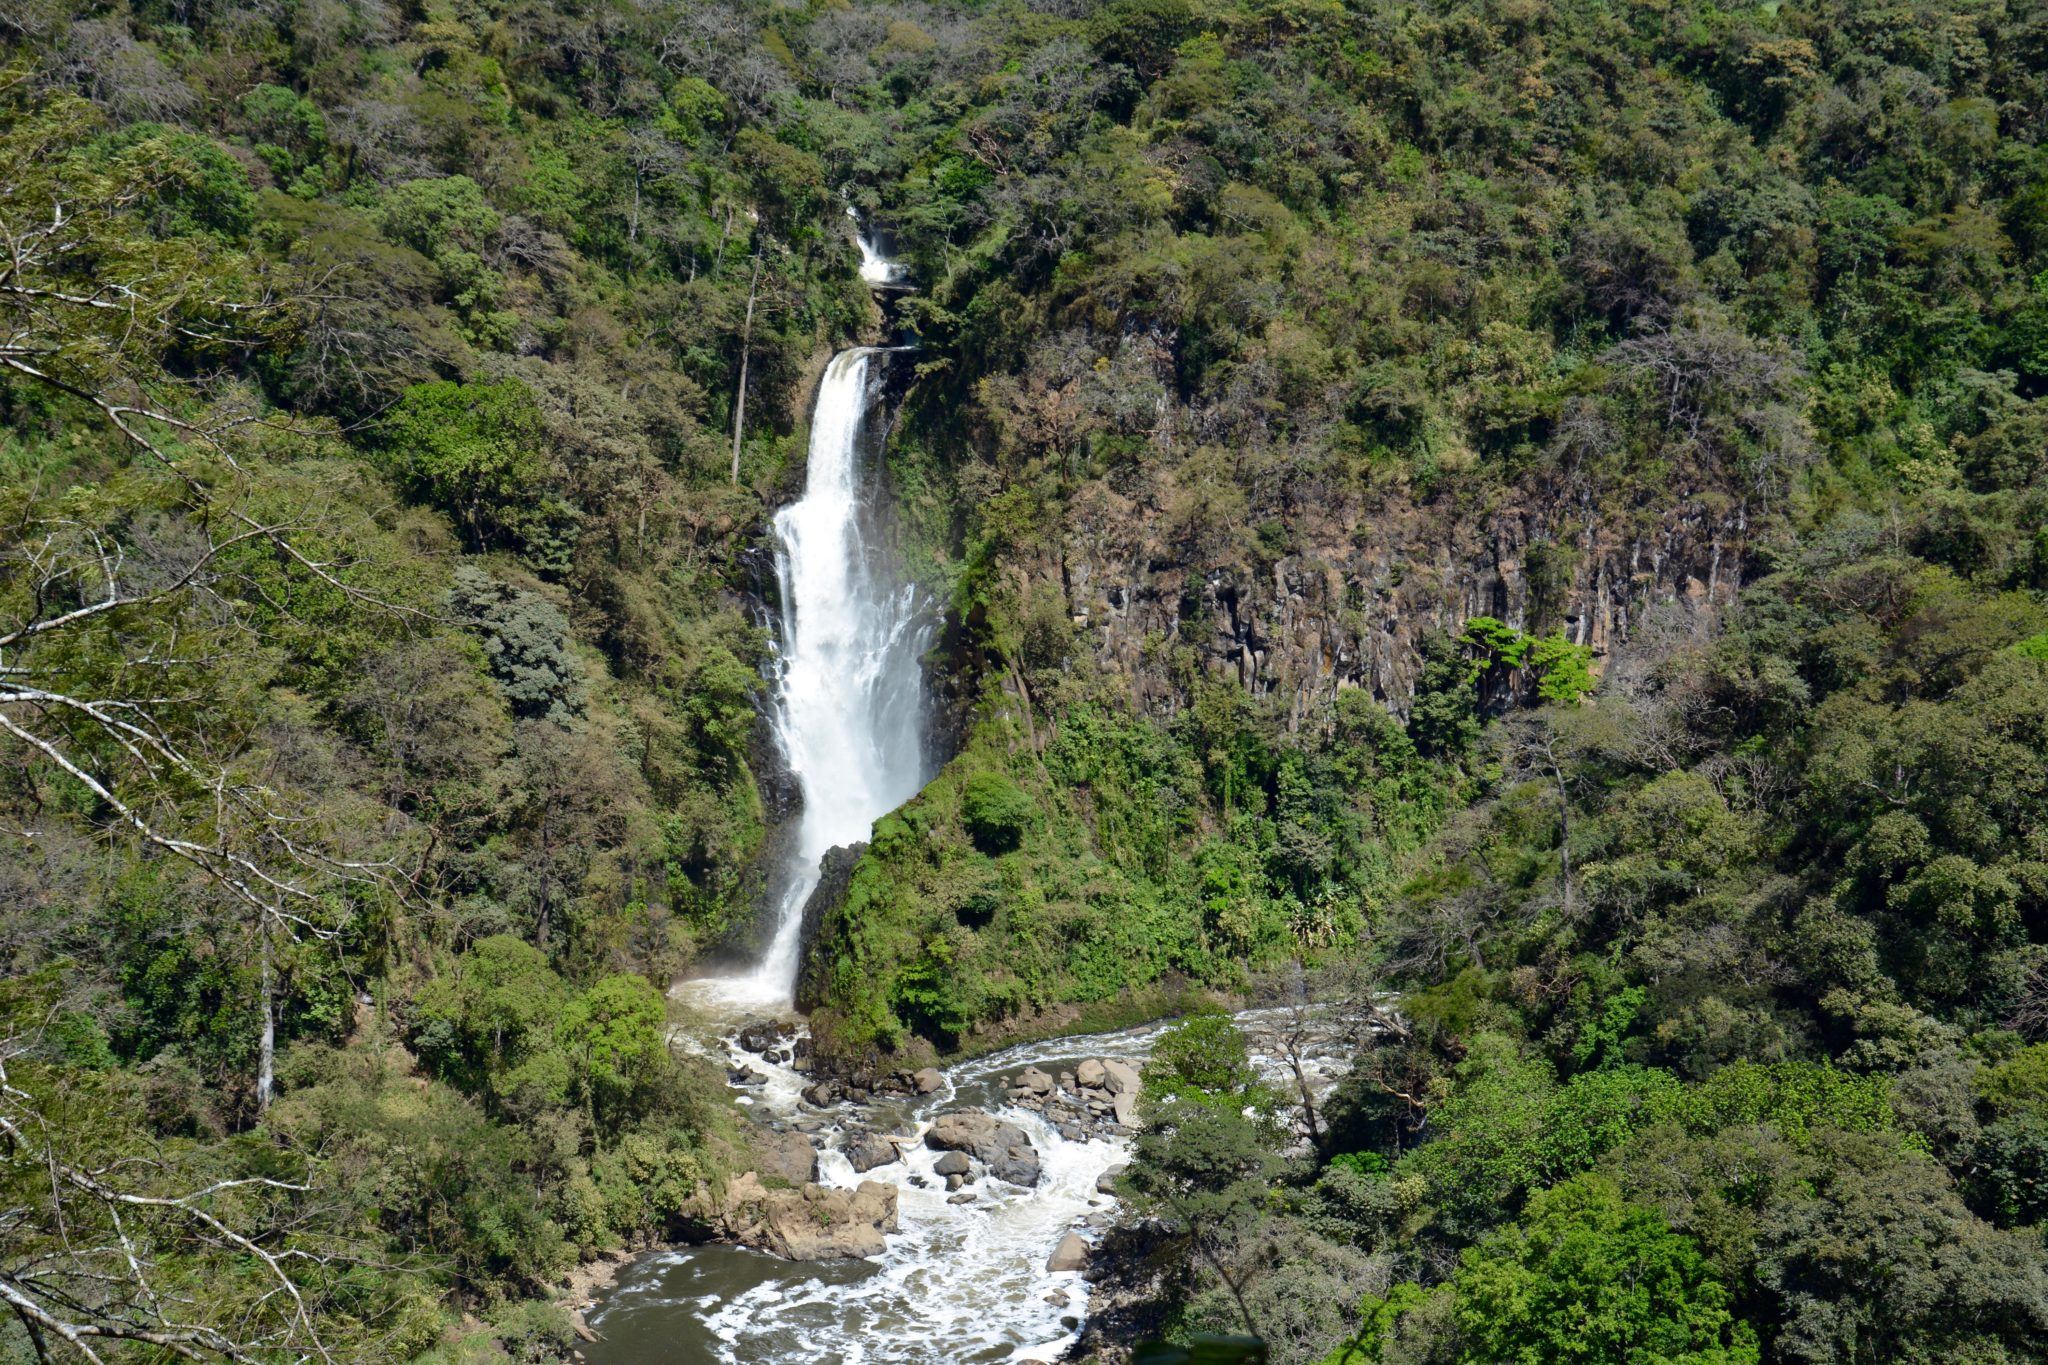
1120 1078
1033 1081
787 1155
1070 1254
1004 1148
868 1150
812 1223
762 1037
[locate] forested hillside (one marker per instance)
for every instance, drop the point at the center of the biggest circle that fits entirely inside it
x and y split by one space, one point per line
1540 507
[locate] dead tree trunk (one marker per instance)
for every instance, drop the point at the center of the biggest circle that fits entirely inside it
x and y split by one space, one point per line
266 1047
739 407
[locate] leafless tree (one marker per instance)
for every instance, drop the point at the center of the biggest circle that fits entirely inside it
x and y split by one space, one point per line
85 1236
101 60
110 630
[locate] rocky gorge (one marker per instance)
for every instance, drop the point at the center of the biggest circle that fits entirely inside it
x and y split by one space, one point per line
780 1207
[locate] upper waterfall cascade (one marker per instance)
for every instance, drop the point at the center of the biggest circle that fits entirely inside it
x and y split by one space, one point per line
849 687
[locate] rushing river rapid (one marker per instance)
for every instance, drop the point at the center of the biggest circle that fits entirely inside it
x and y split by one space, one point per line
959 1284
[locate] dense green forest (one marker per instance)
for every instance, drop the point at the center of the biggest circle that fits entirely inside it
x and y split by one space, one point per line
392 399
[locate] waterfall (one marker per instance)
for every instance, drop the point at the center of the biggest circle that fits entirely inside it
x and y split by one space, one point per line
849 700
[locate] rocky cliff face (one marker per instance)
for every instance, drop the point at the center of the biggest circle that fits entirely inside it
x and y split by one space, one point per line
1349 599
834 873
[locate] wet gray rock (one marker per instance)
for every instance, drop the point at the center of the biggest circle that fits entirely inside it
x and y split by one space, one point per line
952 1163
764 1037
1106 1182
1003 1148
927 1080
868 1150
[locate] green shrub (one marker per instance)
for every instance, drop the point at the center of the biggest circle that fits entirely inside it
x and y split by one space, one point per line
996 812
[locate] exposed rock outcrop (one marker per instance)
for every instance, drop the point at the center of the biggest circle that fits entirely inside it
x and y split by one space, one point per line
811 1222
1363 582
789 1157
835 871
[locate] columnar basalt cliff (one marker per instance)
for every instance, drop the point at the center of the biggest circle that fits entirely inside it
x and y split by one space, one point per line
1351 606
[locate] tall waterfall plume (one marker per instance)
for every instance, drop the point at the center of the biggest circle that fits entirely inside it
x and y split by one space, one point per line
849 694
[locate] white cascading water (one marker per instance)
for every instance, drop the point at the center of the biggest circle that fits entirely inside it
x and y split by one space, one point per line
958 1285
849 697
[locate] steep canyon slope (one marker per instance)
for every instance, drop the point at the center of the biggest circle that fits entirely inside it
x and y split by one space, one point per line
1539 504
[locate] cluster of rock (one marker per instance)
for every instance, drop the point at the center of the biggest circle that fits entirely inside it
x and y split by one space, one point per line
773 1040
810 1222
860 1089
779 1206
1098 1096
968 1135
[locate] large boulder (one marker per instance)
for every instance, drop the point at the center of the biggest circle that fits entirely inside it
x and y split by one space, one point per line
1120 1078
927 1080
1070 1254
952 1163
811 1223
1004 1148
869 1150
1033 1081
1091 1075
787 1156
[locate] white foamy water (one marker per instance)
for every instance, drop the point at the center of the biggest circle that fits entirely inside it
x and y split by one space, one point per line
849 698
878 270
960 1284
